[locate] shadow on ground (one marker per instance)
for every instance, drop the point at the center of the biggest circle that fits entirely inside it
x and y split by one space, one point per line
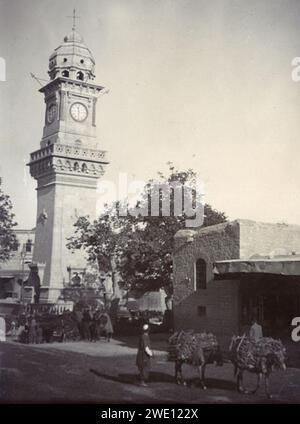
155 377
159 377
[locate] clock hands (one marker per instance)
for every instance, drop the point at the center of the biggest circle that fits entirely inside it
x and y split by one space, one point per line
78 112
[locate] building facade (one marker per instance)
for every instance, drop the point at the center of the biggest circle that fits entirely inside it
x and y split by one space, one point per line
16 270
68 164
226 274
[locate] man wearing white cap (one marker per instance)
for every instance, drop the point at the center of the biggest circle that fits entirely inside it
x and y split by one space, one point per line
144 354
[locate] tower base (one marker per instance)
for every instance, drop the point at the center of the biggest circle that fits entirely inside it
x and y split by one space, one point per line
50 294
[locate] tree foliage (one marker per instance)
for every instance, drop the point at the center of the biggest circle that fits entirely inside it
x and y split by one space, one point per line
7 236
139 245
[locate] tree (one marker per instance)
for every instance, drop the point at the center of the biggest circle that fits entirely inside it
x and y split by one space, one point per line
139 245
104 240
8 238
147 261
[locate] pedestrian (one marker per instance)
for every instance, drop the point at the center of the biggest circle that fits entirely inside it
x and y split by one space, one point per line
93 330
91 323
144 355
32 331
106 325
86 322
79 318
255 332
2 329
39 334
96 324
13 329
24 336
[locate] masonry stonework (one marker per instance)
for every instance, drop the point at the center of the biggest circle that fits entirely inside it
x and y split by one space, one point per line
68 164
216 308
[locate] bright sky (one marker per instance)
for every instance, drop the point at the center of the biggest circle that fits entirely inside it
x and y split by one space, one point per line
205 84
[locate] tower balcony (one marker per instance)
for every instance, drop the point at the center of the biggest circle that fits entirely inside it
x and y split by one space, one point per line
62 158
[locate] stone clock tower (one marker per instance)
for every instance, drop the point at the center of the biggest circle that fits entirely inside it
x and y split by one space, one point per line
68 164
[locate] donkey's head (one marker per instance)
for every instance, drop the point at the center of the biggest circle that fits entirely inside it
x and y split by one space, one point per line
278 356
233 343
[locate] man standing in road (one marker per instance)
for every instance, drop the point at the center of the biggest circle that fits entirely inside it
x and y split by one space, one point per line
144 354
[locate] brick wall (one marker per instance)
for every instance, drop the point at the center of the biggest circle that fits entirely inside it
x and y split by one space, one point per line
220 300
215 243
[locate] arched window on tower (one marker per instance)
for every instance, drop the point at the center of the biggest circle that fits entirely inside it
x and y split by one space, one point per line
84 168
200 274
79 76
65 74
76 166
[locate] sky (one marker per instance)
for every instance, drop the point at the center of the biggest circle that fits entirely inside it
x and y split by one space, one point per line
204 84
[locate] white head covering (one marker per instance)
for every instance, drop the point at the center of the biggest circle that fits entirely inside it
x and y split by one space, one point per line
145 327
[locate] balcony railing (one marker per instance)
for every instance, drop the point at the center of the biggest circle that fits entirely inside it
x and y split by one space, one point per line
64 150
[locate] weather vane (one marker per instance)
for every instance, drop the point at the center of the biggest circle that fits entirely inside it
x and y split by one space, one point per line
74 17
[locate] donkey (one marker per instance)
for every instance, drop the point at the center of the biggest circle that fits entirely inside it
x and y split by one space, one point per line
260 357
196 349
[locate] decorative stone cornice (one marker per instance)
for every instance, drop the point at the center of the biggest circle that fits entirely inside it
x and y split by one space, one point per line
70 84
68 151
62 158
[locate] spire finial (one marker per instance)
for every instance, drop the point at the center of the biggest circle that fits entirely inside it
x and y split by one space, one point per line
74 17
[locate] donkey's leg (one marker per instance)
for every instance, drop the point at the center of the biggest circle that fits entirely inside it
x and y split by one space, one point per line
201 367
181 378
259 377
201 371
267 389
178 372
244 390
240 381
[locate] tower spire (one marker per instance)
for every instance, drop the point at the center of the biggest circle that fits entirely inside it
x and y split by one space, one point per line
74 17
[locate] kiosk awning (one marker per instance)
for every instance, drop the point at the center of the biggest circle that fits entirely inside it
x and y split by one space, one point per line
280 266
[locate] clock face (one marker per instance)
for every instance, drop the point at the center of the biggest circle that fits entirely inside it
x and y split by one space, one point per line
51 113
78 112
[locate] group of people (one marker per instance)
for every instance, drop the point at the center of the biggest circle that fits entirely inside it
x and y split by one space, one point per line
27 330
93 324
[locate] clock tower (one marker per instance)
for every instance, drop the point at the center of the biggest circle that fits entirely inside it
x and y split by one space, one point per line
68 164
